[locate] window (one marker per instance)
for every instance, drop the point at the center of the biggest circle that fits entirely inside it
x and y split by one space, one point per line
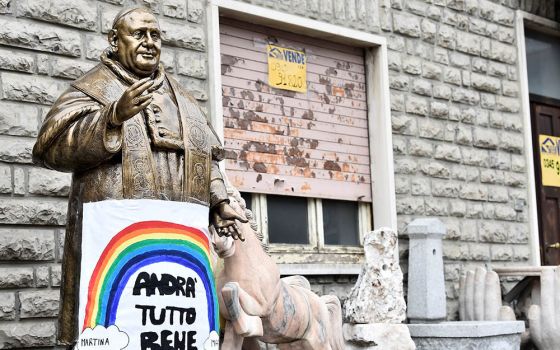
310 224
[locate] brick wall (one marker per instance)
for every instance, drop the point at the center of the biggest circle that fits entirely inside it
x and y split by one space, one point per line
458 144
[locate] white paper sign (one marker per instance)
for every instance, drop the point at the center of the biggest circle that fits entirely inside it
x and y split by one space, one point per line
146 280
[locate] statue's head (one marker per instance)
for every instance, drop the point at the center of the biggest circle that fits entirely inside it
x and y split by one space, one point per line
136 40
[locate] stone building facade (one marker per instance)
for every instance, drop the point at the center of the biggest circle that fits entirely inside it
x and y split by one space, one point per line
458 143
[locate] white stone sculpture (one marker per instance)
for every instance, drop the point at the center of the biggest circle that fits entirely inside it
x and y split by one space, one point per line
480 297
375 306
544 319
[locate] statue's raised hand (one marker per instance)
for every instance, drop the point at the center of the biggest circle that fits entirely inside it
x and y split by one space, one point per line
544 319
132 101
223 219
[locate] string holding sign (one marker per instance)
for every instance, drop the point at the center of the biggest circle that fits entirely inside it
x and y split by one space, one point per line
287 68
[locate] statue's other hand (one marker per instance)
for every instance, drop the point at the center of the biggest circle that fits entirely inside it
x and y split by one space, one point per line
132 101
223 219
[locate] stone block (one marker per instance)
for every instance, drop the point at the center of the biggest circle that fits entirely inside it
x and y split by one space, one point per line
491 176
521 252
518 163
505 212
70 68
410 205
479 65
196 87
377 335
41 37
28 334
500 160
19 181
473 192
42 276
7 306
195 10
496 120
429 30
445 188
406 24
421 87
507 104
399 82
174 8
5 179
435 169
412 65
39 303
17 211
510 88
446 36
395 42
49 182
435 207
511 142
394 60
402 185
463 135
441 56
6 6
503 52
515 180
485 83
452 76
184 36
17 87
16 277
16 150
56 275
76 13
421 148
459 60
465 96
405 166
470 115
468 43
426 288
95 45
485 138
441 91
439 110
18 119
26 244
448 152
417 105
403 124
487 101
397 101
457 208
16 61
431 129
420 187
493 232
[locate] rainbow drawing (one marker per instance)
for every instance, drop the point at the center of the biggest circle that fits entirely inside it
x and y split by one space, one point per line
139 245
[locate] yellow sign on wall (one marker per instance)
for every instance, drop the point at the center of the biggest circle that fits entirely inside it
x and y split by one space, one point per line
287 68
550 160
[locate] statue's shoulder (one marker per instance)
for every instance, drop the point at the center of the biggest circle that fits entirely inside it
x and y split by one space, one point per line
101 84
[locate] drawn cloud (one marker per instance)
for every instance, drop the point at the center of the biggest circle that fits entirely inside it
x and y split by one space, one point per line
213 341
101 338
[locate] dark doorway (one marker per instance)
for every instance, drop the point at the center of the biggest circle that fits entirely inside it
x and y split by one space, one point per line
545 117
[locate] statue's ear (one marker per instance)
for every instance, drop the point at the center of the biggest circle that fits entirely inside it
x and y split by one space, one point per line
113 38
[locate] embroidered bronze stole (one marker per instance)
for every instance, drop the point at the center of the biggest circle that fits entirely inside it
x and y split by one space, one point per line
138 165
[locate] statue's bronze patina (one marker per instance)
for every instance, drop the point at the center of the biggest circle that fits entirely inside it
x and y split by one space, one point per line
128 130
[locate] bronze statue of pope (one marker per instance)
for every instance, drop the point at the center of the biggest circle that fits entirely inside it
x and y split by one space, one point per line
128 130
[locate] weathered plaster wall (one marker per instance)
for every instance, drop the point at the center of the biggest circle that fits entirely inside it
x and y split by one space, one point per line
458 144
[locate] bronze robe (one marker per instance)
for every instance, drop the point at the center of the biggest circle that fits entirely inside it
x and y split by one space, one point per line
121 162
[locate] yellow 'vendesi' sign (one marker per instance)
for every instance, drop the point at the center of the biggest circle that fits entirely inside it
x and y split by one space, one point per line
550 160
287 68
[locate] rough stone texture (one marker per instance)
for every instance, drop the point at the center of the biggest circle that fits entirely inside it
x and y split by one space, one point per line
75 13
49 183
27 334
26 244
377 296
40 303
23 211
7 306
377 336
16 277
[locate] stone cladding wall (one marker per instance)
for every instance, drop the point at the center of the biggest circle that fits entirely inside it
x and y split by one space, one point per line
458 142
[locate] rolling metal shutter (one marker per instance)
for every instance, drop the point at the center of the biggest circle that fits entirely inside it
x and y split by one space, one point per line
312 144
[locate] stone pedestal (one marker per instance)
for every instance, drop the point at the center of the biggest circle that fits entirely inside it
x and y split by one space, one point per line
377 336
426 286
488 335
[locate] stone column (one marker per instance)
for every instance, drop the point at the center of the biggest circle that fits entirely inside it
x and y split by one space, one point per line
426 286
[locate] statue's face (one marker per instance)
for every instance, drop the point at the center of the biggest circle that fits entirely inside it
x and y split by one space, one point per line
138 43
